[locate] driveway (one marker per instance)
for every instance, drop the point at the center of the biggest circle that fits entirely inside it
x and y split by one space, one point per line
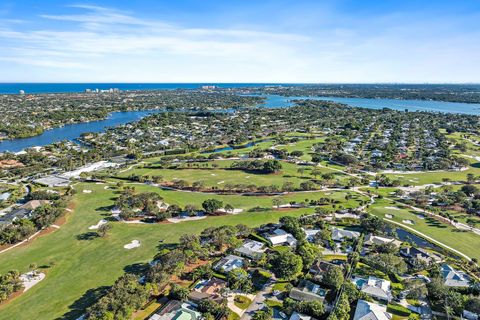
258 302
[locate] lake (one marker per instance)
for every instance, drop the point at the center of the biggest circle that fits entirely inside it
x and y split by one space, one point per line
275 101
73 131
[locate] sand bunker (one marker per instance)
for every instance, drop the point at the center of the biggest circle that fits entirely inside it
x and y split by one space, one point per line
408 222
420 216
392 208
221 182
182 219
30 279
87 191
389 216
132 245
234 211
96 226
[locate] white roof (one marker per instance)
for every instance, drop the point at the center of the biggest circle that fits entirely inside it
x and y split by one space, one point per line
371 311
311 232
281 236
230 263
380 283
375 287
371 239
299 316
251 248
454 278
339 234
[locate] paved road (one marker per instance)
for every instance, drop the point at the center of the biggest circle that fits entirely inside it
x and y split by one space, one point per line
258 302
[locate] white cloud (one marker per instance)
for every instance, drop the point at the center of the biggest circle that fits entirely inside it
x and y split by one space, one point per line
106 33
102 44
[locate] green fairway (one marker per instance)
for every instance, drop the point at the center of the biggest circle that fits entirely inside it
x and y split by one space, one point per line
463 241
79 267
221 176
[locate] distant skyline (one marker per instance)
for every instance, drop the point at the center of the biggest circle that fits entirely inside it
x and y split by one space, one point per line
272 41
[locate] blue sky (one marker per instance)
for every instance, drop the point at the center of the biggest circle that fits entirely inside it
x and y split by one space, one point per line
240 41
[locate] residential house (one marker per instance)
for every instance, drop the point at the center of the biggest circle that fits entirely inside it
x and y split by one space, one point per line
174 309
371 240
470 315
453 277
229 263
24 211
308 291
252 249
319 267
375 287
371 311
281 237
310 234
342 234
208 289
376 153
419 254
299 316
4 196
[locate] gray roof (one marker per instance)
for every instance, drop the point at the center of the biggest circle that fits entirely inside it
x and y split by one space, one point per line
308 291
371 311
14 215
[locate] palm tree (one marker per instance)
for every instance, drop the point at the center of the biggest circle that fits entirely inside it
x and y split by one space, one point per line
33 268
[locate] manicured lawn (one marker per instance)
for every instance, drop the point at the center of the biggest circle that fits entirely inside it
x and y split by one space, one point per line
273 303
465 242
81 268
280 285
221 176
248 202
242 302
422 178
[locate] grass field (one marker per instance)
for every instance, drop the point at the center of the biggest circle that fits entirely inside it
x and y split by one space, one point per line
222 176
465 242
80 268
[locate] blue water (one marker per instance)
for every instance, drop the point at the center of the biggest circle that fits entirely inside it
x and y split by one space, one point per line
275 101
72 131
9 88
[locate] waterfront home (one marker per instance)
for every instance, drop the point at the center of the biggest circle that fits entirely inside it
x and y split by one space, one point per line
281 237
251 249
371 240
453 277
371 311
419 254
229 263
375 287
308 291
